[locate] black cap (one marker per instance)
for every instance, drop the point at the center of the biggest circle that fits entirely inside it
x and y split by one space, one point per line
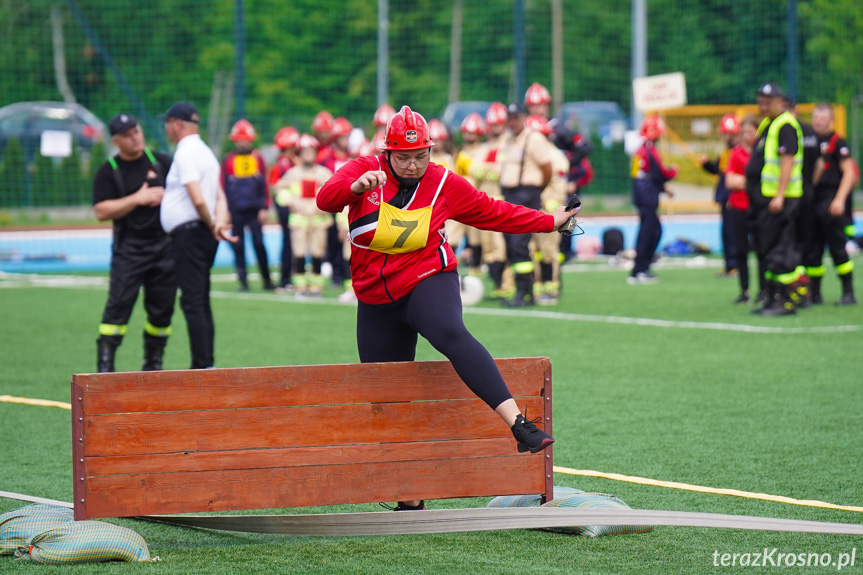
185 111
516 108
120 123
771 90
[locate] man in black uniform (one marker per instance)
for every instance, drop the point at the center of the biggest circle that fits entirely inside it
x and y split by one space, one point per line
834 184
128 189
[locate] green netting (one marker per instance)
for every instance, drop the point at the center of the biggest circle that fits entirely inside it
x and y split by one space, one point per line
303 56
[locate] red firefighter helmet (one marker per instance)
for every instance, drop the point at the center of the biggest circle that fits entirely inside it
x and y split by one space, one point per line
308 141
379 141
652 127
538 123
382 116
243 131
496 114
473 124
729 124
366 149
323 122
287 137
537 94
341 127
407 130
437 130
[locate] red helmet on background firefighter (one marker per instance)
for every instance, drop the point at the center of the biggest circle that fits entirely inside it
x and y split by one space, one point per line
243 131
306 141
341 127
323 122
538 123
379 140
537 94
286 138
407 130
437 130
496 114
729 124
473 124
383 115
538 100
652 127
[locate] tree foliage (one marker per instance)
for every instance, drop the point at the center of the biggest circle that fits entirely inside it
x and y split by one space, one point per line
306 55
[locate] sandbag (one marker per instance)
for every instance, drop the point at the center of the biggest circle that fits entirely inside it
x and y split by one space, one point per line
19 525
570 497
595 501
85 542
530 500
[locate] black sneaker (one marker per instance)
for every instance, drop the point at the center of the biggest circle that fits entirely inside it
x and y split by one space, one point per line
402 506
847 299
529 436
742 298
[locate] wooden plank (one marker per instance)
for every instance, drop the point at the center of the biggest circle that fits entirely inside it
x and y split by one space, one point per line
293 385
123 496
221 430
300 456
252 438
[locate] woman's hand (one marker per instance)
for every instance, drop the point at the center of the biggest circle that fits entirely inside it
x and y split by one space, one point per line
561 215
369 181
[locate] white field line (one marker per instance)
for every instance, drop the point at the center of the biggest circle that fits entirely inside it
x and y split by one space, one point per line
36 280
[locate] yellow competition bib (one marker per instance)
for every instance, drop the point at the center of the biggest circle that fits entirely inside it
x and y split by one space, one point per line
401 231
245 166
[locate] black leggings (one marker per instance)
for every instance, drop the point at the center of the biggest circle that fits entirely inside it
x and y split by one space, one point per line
388 332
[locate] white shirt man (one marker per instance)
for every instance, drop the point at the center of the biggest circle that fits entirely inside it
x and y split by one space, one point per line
194 213
193 162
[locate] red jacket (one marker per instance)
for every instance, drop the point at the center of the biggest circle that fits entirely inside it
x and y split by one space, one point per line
380 278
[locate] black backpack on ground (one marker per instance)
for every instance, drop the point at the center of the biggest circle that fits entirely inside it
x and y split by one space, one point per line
612 241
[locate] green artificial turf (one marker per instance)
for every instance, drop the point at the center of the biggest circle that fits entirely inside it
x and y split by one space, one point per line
690 396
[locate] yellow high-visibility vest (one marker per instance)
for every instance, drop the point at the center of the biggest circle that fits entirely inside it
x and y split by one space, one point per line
771 170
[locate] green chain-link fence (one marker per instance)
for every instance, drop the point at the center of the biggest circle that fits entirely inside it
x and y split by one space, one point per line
282 62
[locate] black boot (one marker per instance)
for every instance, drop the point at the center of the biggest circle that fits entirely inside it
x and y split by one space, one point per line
495 272
815 290
268 283
154 349
523 291
766 299
106 346
782 305
847 290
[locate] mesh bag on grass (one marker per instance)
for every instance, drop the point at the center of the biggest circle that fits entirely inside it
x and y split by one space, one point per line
85 542
19 525
529 500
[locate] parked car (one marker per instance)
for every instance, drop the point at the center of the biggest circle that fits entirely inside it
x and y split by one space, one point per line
455 112
26 121
603 120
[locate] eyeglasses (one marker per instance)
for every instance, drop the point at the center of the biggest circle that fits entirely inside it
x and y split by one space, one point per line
417 161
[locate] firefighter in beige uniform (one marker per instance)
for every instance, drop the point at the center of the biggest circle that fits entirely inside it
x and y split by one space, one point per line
298 189
441 154
472 130
525 172
547 253
485 170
